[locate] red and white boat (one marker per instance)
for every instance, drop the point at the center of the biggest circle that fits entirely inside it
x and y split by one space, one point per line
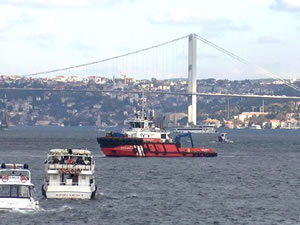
144 139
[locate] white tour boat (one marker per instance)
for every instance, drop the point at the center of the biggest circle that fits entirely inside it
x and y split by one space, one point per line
70 174
16 188
199 129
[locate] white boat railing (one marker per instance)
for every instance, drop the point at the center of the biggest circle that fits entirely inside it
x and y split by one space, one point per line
69 166
68 183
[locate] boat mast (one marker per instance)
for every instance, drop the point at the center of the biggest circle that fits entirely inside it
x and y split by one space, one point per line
98 122
4 123
143 104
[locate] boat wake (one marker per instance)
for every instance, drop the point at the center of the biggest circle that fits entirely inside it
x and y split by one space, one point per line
60 209
133 195
101 195
22 211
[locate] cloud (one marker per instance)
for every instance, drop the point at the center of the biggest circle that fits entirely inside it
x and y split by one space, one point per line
82 47
188 17
60 3
222 25
41 39
267 40
286 5
7 18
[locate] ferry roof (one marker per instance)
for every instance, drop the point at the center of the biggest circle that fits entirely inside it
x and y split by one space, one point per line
60 152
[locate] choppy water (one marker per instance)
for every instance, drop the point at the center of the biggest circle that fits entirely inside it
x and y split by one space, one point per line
253 181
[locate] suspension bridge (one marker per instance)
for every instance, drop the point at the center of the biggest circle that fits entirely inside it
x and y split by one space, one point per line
179 60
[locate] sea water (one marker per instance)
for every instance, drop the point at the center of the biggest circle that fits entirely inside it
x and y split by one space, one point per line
255 180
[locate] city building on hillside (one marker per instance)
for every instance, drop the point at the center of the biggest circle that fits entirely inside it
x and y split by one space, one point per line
229 124
60 79
217 123
289 124
96 79
247 115
73 79
275 124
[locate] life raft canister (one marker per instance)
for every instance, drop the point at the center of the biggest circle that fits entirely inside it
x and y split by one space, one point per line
24 179
4 179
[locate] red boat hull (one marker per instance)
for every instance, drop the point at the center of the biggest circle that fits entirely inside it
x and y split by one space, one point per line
145 147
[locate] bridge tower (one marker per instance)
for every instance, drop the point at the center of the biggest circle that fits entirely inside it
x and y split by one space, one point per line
192 87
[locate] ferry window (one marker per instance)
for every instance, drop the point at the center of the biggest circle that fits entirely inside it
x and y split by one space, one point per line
131 124
163 136
142 125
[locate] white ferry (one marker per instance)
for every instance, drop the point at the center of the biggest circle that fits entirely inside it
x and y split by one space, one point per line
70 174
199 129
16 188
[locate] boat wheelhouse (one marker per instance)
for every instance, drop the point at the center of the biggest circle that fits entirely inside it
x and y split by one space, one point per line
69 174
16 188
141 126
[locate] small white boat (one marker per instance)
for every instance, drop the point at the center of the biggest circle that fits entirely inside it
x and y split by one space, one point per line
16 188
255 126
223 138
70 174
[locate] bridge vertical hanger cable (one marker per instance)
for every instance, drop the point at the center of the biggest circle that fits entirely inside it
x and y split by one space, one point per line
106 59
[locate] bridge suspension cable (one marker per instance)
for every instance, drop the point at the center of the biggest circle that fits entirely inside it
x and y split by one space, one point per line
211 44
246 62
105 60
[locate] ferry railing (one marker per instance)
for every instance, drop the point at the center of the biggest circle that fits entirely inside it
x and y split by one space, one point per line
56 166
68 183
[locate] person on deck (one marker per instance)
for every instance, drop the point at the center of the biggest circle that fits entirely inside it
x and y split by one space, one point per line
70 161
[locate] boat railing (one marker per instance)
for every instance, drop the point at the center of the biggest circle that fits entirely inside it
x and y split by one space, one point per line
68 183
69 166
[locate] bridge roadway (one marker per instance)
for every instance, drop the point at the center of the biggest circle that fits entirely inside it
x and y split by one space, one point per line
156 92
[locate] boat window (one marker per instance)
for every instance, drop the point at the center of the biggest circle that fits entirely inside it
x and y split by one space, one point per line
5 190
163 136
15 191
132 124
24 191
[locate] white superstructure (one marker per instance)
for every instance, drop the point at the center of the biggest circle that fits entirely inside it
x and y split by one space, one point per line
141 126
16 188
70 174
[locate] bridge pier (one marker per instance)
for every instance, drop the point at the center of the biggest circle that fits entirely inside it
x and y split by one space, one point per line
192 87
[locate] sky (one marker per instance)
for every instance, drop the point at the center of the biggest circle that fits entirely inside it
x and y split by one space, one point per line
38 35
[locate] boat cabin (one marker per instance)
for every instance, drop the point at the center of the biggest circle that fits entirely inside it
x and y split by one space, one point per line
69 174
144 128
16 187
68 167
